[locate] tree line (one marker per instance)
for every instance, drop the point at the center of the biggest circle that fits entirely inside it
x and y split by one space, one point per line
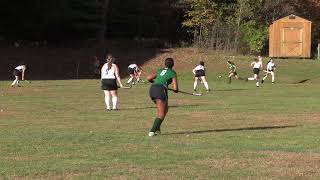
237 26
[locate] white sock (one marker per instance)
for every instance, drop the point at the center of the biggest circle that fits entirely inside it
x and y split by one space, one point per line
129 80
14 82
195 84
114 102
206 85
273 79
251 79
107 101
264 78
257 83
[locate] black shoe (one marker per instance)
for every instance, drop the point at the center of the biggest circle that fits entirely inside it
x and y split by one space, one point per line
262 81
208 90
246 79
273 82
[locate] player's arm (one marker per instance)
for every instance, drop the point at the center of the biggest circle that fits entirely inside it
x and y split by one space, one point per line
175 84
194 71
116 72
23 71
151 77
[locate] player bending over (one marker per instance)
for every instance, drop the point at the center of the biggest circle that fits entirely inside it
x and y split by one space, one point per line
200 74
135 72
257 66
159 92
109 78
17 72
270 70
233 71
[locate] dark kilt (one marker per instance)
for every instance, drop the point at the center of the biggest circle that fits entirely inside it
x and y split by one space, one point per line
200 73
234 73
130 70
16 72
256 71
158 91
109 84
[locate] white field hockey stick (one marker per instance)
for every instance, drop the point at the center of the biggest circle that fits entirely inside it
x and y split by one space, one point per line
192 94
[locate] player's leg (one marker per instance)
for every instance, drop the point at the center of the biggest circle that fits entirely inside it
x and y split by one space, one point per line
195 83
265 77
107 96
206 85
16 81
114 96
272 75
229 78
256 77
162 109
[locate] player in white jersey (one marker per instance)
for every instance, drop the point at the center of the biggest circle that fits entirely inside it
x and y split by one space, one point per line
109 78
257 66
200 74
270 70
133 72
17 72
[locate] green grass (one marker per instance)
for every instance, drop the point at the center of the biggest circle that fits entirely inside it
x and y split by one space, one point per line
60 130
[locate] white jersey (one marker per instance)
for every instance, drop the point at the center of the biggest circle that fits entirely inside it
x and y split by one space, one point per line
257 65
271 66
20 68
108 74
133 66
199 67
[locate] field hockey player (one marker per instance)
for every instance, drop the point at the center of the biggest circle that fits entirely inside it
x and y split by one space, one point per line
17 72
232 72
257 66
271 66
159 92
200 74
109 78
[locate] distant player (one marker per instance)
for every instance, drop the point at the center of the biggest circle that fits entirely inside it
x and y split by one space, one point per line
109 78
200 74
133 71
159 92
17 72
257 66
270 70
233 71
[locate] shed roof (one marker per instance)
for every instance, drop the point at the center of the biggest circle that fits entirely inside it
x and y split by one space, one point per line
291 18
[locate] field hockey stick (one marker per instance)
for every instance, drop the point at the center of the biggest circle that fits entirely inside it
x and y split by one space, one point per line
192 94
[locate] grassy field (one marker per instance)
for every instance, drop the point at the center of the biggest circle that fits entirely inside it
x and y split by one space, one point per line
60 129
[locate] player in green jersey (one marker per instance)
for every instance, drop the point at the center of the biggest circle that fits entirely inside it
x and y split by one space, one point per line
233 71
159 92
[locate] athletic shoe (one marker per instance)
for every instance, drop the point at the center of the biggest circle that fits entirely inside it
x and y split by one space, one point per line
108 109
208 90
151 134
246 79
262 81
158 132
273 82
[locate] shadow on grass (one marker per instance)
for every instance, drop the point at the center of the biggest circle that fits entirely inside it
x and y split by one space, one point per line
230 90
227 130
170 106
302 81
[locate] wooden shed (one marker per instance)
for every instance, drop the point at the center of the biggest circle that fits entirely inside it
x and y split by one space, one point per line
290 37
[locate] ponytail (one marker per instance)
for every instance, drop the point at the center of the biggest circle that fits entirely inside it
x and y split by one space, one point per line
109 61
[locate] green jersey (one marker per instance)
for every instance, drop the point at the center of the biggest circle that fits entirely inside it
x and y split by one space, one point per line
232 67
164 76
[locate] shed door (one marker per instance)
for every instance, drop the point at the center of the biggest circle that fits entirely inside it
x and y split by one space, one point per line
291 42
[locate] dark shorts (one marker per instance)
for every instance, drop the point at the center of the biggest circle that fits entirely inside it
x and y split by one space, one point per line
269 71
234 73
16 72
130 71
158 91
200 73
109 84
256 71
